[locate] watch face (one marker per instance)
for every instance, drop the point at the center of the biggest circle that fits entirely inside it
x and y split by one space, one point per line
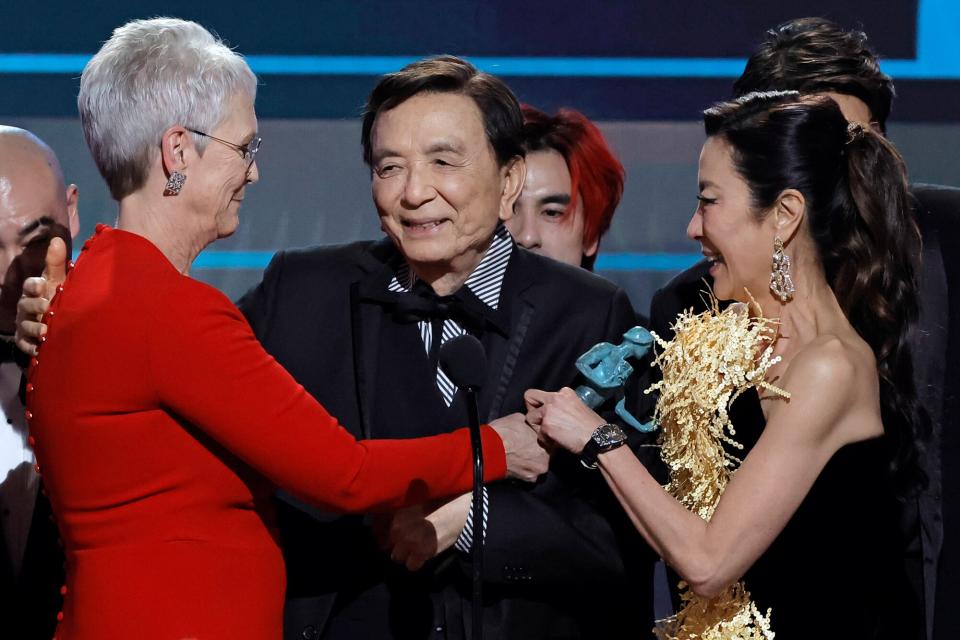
609 435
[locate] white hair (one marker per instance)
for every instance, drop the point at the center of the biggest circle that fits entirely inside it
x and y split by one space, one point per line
149 76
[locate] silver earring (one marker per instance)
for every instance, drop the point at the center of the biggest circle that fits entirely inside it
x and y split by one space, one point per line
174 184
781 284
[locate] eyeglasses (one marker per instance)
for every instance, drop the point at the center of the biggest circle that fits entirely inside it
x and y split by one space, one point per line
247 151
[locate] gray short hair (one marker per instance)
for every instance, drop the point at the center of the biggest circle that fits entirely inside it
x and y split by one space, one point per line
151 75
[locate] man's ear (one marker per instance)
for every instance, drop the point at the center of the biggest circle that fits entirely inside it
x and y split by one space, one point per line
73 212
789 212
590 250
512 175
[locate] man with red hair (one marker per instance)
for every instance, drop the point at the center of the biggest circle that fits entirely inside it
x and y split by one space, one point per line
572 188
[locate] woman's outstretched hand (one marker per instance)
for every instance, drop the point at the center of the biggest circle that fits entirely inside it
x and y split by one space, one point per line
561 418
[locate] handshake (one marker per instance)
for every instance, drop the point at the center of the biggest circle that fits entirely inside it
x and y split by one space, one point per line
553 419
527 457
413 536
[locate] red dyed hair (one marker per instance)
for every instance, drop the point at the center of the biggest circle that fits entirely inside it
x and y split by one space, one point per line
596 175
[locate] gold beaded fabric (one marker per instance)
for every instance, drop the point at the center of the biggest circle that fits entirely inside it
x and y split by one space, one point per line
714 357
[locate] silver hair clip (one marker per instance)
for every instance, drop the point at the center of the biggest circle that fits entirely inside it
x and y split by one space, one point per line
856 131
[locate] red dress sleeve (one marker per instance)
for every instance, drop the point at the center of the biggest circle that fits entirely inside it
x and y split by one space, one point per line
209 370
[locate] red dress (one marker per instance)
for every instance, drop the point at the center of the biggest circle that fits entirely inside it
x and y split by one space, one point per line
162 427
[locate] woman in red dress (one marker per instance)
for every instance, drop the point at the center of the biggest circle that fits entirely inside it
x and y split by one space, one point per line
160 425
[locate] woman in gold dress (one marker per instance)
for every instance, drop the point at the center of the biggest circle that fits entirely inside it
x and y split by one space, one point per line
806 527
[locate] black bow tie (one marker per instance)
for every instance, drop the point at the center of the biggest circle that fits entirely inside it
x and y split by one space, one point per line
422 304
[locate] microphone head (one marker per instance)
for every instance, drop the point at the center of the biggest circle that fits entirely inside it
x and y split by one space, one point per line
464 361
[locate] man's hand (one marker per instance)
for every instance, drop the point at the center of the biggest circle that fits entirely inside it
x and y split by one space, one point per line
526 459
37 293
414 535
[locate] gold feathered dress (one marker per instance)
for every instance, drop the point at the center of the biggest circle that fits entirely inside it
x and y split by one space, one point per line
713 358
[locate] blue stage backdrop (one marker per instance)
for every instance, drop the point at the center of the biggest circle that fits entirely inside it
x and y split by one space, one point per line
643 70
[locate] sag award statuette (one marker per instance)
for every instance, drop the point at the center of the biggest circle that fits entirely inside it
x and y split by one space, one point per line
606 369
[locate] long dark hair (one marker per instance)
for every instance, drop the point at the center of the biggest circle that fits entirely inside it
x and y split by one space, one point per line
859 215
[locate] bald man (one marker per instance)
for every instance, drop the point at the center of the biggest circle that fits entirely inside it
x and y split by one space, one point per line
35 206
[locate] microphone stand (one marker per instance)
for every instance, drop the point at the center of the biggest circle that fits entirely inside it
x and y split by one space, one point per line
479 530
465 362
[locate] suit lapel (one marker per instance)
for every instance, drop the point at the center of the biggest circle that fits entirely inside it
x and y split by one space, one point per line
517 304
365 319
929 334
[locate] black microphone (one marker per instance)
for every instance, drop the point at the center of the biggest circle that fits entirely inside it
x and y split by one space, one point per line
464 361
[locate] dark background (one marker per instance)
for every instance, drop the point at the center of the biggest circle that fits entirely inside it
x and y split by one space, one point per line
314 188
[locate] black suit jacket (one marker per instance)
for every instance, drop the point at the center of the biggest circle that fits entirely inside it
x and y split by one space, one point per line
935 344
29 603
937 362
561 560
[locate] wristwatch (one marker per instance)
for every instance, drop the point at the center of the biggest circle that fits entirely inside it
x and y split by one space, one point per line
605 438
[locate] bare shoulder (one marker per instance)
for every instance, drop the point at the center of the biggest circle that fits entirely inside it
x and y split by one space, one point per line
834 389
829 359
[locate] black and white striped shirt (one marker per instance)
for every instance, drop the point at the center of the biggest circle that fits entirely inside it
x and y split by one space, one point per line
485 282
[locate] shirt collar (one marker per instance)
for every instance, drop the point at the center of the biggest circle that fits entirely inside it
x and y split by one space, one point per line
486 279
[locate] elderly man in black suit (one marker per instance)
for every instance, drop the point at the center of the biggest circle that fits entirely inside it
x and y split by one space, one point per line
442 143
35 205
816 56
